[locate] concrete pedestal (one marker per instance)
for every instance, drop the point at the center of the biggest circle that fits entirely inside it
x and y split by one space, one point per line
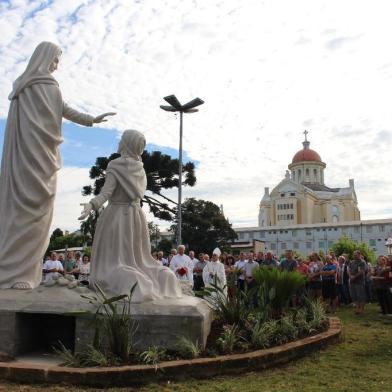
33 320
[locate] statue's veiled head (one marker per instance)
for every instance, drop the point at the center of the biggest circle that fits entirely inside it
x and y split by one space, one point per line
42 63
44 59
132 144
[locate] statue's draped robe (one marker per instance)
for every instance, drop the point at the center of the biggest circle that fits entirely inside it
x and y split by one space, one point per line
121 254
29 168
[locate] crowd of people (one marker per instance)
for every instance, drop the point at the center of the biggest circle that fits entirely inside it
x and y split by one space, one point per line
72 263
336 280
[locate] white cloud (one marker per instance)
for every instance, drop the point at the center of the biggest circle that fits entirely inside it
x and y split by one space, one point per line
265 69
69 197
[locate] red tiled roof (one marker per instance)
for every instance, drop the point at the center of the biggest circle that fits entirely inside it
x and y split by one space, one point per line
306 155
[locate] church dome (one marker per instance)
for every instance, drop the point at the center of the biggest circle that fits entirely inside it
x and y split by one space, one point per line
306 155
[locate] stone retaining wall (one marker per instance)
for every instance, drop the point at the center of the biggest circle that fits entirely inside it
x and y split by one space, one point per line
173 370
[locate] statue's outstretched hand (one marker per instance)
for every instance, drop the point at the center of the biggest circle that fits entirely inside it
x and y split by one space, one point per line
101 117
86 211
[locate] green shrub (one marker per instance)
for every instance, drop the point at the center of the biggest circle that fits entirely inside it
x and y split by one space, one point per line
273 332
275 289
290 326
67 356
347 246
300 319
271 329
232 310
316 314
87 251
115 322
287 329
86 358
259 336
187 348
112 320
152 356
229 338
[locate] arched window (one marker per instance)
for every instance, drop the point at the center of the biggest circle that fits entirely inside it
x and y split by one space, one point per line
335 214
307 172
299 175
315 175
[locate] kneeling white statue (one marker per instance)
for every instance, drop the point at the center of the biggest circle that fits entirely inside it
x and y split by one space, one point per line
121 254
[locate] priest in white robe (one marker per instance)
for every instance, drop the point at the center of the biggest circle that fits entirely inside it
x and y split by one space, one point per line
29 167
181 264
214 272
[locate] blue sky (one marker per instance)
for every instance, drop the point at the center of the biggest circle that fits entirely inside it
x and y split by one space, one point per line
82 145
266 70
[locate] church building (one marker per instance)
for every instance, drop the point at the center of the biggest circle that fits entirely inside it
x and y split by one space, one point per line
303 198
304 214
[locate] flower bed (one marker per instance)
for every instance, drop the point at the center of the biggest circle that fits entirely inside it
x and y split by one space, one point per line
173 370
252 328
255 318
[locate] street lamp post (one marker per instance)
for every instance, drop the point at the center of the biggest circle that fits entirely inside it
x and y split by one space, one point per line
175 106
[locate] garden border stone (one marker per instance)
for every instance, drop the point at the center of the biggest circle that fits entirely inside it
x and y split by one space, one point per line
134 375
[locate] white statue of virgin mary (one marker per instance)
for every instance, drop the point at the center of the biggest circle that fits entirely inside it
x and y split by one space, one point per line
29 167
121 254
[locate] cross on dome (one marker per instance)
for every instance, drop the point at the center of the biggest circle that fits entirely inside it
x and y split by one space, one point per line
306 143
306 133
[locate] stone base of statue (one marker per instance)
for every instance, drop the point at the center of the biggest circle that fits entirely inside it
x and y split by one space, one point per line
36 320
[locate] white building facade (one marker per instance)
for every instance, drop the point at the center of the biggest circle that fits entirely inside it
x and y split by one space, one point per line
308 238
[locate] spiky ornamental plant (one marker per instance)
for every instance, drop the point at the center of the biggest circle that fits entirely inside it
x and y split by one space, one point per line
187 348
152 356
113 318
229 338
229 309
275 288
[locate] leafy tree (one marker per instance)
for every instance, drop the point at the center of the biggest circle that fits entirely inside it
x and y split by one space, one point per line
165 245
87 251
347 246
204 227
162 173
56 233
87 227
153 230
70 240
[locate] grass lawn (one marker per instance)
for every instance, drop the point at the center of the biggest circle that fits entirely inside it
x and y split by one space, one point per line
362 362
